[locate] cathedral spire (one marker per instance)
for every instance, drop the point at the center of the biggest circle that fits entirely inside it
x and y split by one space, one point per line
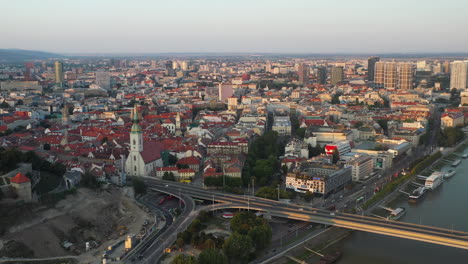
135 127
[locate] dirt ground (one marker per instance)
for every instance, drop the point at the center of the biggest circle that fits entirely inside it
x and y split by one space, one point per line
86 216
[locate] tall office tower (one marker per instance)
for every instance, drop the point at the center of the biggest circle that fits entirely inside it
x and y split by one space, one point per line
371 67
58 69
103 80
405 75
336 75
459 75
184 65
169 68
303 72
447 66
225 90
29 66
379 73
154 65
123 63
421 65
44 65
268 67
390 75
322 74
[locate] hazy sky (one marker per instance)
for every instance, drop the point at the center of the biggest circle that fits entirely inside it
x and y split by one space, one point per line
299 26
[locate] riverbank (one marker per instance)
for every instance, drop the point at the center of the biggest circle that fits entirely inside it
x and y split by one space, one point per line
427 168
324 243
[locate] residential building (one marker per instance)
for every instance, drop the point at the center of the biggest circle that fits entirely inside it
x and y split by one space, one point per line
371 67
459 75
361 166
319 178
337 75
282 125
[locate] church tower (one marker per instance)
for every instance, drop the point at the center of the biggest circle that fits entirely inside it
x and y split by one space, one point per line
177 120
136 134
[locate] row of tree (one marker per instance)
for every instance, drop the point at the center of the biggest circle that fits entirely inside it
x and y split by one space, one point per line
250 235
262 159
9 159
450 136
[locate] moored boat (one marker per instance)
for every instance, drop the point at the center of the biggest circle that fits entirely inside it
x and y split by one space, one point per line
397 214
456 163
417 194
449 174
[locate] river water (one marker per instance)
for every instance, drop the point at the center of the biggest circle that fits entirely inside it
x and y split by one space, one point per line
445 207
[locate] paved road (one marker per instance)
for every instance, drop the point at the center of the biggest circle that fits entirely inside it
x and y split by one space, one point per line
357 222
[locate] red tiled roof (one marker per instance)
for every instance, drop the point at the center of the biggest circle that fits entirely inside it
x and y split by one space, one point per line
20 178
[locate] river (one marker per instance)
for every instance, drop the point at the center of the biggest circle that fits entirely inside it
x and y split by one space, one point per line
445 207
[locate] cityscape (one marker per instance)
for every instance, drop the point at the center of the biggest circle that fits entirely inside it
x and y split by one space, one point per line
211 132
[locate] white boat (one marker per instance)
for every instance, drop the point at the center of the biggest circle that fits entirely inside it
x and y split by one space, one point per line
465 155
397 214
417 194
434 181
456 163
449 174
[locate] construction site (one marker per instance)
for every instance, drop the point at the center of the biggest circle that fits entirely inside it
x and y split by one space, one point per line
81 226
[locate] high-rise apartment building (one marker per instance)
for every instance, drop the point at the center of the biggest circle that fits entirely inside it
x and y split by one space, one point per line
169 68
29 66
58 69
371 67
392 75
303 72
154 64
405 75
379 72
459 75
336 75
103 80
322 75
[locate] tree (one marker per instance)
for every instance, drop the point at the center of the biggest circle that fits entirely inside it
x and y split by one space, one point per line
271 193
169 176
238 247
4 104
172 160
358 124
284 168
104 140
300 132
89 181
20 102
183 259
180 242
308 196
212 256
336 98
336 156
261 236
46 146
383 124
1 194
139 187
315 151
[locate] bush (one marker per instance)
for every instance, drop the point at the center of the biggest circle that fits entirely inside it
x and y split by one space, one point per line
139 187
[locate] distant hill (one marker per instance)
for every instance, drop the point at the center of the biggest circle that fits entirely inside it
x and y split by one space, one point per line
19 55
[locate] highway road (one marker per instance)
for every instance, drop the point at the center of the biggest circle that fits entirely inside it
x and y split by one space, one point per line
357 222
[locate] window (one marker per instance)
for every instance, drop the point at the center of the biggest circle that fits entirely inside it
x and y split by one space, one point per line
135 168
134 142
134 158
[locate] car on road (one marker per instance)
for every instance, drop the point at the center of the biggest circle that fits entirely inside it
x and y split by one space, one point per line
166 185
333 214
301 209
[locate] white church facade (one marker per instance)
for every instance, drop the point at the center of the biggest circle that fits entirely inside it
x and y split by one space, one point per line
144 157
